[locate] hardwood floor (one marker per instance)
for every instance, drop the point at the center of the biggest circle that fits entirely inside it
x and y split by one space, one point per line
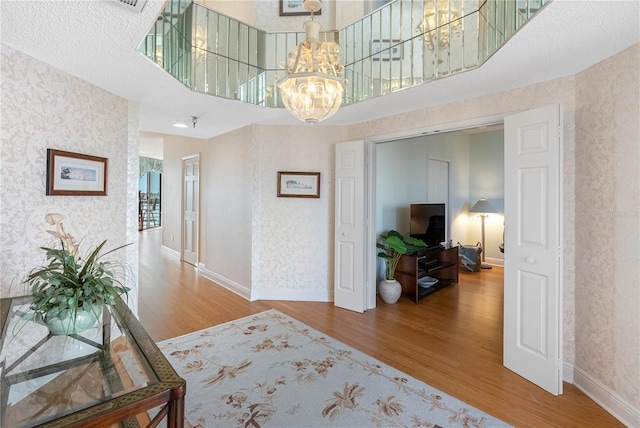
451 339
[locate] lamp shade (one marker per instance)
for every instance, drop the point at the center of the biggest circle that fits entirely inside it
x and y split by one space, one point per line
482 206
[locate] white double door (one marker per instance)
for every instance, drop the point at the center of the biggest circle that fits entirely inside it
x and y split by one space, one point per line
533 253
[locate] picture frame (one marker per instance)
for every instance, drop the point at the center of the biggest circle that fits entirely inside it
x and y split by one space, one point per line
386 49
298 184
75 174
295 8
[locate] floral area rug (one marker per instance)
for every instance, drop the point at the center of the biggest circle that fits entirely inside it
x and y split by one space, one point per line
269 370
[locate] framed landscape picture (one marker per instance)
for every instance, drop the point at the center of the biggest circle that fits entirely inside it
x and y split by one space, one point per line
75 174
298 184
295 8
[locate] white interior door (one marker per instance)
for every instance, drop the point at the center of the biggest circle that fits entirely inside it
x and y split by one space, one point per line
190 195
349 274
533 253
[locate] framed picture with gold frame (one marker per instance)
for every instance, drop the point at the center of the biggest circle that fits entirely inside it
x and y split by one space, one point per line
295 8
298 184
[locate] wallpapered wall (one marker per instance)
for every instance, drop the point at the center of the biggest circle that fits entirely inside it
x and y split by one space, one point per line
174 148
227 177
608 223
43 107
293 237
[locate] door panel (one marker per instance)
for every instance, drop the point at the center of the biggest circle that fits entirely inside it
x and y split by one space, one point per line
349 276
191 167
532 260
533 230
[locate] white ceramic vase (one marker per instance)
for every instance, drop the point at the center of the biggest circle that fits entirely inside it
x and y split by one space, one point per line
390 290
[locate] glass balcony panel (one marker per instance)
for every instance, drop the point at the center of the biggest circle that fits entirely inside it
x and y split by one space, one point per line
347 37
242 81
382 53
253 48
235 69
271 95
385 23
291 42
222 76
223 35
412 59
233 39
281 52
470 41
375 25
243 43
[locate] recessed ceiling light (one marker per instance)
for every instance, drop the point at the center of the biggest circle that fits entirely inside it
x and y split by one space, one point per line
180 125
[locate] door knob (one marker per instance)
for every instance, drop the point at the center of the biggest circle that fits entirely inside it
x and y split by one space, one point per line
531 260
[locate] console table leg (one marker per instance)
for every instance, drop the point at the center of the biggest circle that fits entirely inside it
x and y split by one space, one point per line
175 419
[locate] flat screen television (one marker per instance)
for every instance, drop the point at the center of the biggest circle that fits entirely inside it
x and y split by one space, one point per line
428 222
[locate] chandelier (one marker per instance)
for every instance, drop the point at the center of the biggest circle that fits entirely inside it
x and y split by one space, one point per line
312 88
439 21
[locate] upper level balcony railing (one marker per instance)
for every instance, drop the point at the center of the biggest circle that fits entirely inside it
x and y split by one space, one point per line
388 50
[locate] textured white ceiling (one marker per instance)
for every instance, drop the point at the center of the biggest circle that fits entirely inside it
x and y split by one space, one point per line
96 40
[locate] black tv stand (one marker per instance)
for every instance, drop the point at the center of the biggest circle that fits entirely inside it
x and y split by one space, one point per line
436 262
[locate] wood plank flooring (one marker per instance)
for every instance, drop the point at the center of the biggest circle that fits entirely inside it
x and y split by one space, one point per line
451 339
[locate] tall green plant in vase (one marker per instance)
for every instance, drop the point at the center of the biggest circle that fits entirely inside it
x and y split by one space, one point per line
392 247
69 291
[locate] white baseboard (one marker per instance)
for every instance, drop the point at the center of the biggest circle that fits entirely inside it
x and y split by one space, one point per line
171 252
567 372
494 262
230 285
295 295
609 400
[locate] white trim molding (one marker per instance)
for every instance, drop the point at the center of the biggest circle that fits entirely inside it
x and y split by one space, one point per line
567 372
230 285
494 261
607 399
170 252
291 294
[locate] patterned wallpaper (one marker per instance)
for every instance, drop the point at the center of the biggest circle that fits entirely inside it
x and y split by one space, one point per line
608 223
43 107
293 237
226 206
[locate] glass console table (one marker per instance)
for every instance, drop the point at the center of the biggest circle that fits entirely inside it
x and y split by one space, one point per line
112 374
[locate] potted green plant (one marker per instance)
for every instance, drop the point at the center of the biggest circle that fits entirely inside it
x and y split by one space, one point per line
392 247
69 292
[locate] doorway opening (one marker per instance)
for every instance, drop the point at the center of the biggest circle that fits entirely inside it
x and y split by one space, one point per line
150 200
533 199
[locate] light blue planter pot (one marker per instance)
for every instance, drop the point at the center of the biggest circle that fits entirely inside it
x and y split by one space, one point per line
86 318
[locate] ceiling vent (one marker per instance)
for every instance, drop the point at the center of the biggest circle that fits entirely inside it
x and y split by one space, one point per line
133 5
